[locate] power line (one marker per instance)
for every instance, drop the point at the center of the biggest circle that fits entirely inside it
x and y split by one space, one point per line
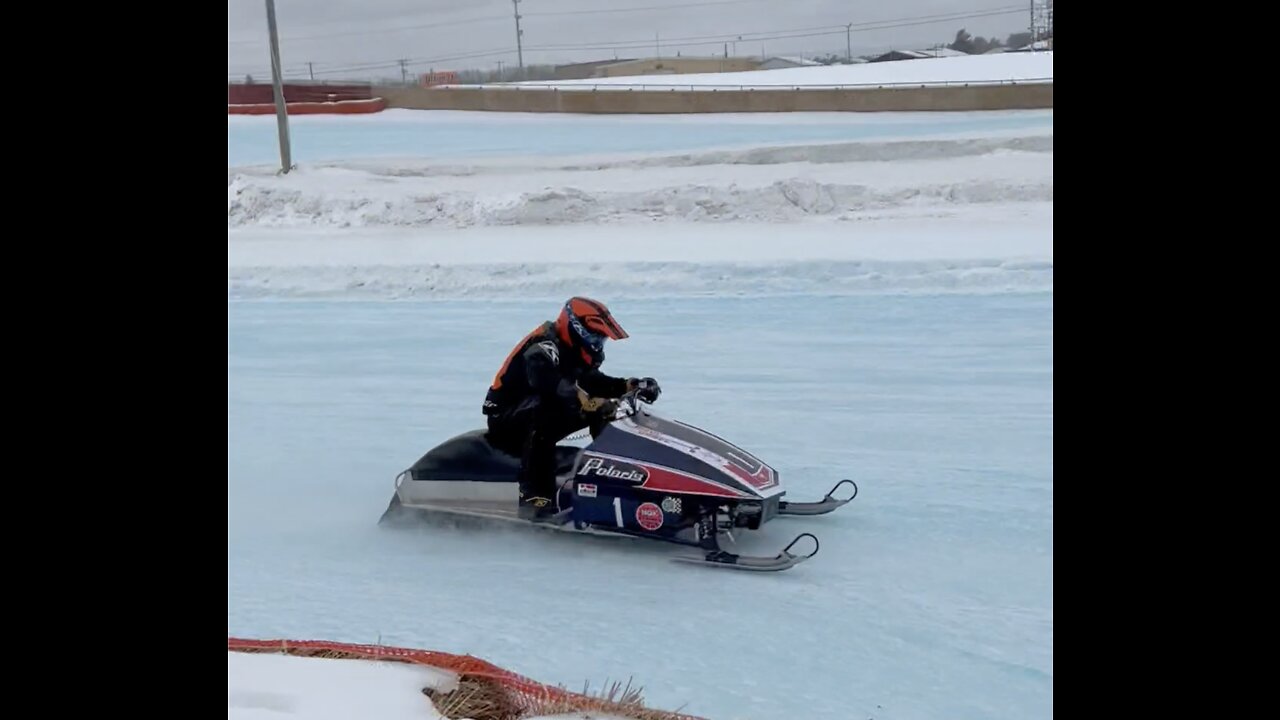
493 18
786 34
405 28
688 41
763 35
410 62
681 6
695 43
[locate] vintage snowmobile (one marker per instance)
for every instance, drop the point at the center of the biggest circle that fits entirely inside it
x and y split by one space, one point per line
640 475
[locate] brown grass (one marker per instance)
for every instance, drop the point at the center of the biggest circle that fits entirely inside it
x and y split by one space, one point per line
484 699
475 698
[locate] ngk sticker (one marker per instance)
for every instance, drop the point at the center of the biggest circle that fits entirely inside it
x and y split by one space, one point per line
649 516
586 490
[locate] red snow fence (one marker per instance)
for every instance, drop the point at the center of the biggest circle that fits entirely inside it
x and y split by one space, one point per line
304 99
485 691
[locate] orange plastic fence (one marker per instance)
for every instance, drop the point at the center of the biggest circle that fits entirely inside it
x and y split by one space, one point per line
528 693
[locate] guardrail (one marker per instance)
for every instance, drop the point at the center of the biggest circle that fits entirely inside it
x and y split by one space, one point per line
594 87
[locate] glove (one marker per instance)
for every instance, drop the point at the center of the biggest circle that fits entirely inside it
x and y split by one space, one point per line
595 404
646 389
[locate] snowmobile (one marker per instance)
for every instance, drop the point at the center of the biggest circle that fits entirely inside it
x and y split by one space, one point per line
640 475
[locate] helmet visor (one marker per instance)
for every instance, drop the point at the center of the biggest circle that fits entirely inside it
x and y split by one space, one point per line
593 340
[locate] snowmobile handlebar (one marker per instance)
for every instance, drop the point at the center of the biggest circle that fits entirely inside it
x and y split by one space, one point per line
628 404
619 408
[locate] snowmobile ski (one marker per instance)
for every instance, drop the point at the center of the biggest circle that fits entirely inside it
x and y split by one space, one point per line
822 507
782 561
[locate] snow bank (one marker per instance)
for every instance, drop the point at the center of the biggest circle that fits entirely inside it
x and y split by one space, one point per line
764 185
271 687
972 69
275 686
634 280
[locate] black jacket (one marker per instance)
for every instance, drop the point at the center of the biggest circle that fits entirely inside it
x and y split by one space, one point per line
538 365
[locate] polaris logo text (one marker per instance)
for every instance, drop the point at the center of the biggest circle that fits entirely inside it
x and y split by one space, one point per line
596 466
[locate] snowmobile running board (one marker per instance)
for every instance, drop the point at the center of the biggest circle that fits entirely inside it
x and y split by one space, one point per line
783 560
822 507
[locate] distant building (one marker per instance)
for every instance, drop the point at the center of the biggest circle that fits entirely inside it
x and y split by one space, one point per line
779 63
1045 44
675 66
894 55
582 70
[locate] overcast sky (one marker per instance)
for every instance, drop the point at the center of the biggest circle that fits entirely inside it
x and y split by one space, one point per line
349 38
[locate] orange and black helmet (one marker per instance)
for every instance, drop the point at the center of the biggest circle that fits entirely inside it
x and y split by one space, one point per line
585 324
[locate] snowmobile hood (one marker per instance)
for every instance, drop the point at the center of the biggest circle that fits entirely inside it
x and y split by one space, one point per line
676 457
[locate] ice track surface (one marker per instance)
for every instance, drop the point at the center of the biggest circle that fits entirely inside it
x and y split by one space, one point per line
932 596
864 296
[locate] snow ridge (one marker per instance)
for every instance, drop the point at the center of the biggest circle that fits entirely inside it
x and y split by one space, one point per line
638 279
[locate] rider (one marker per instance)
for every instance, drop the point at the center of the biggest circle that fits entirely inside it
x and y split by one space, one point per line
551 386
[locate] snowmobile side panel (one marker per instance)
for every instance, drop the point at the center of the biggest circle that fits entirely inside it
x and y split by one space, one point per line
659 442
742 464
596 466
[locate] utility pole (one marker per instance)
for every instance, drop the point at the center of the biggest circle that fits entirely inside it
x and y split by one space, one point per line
282 113
311 71
404 72
848 43
515 7
1033 25
657 45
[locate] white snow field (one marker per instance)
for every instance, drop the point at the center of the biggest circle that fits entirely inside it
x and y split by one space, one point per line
973 70
874 303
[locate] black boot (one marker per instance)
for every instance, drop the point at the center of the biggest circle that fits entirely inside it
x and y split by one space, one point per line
537 478
535 507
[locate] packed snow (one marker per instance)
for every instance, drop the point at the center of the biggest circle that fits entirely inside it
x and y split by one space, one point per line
1012 251
878 214
874 304
972 70
417 137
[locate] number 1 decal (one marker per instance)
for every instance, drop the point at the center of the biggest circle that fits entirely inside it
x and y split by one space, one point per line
617 510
